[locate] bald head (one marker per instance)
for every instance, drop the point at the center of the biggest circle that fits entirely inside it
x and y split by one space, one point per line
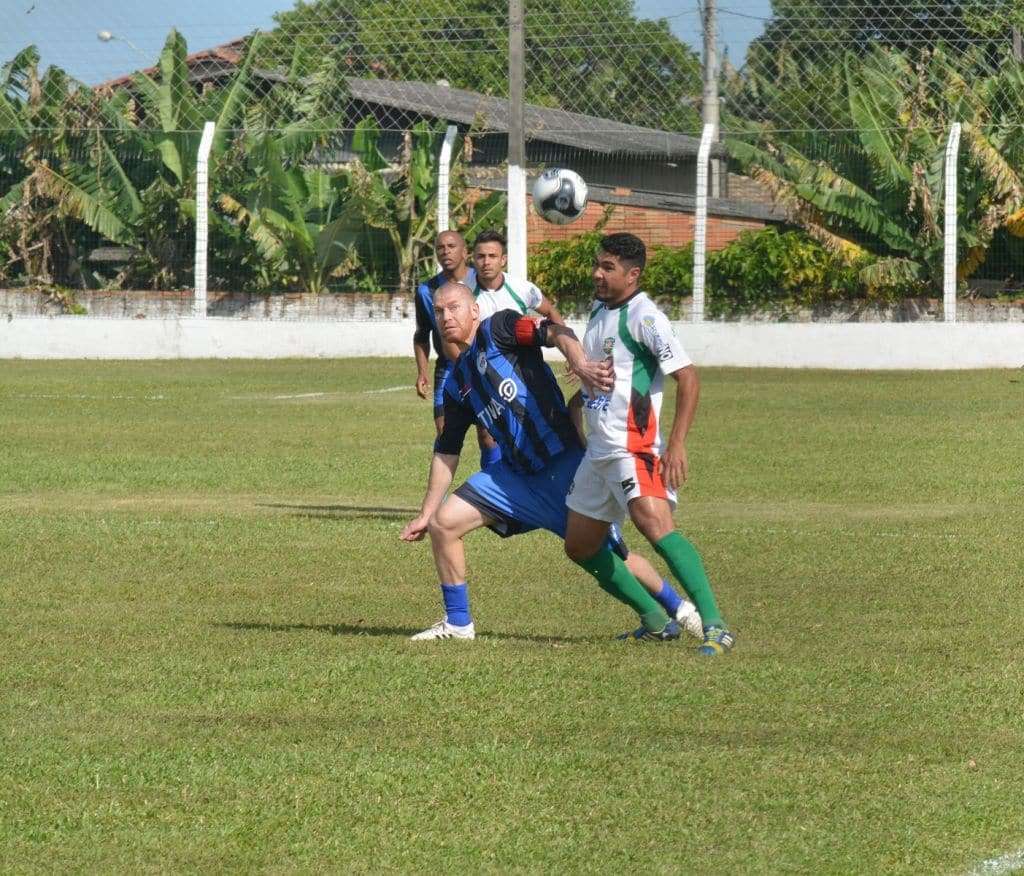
453 236
450 252
454 287
457 312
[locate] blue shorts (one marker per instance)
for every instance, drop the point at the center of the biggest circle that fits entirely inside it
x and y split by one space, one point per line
519 502
442 368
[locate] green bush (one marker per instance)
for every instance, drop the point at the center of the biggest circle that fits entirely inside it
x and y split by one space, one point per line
768 271
563 270
761 270
668 276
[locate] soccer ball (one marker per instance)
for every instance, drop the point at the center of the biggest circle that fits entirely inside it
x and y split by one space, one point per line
560 195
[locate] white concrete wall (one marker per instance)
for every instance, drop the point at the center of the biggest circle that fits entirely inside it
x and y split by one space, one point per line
785 345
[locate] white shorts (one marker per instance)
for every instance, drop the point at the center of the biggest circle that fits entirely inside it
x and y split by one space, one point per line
603 488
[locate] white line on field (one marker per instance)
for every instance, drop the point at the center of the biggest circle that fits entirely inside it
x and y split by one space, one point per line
389 389
300 395
94 397
1009 863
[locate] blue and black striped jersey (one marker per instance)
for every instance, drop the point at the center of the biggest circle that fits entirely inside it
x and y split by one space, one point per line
426 320
502 382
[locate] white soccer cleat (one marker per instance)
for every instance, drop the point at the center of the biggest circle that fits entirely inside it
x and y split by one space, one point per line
689 619
444 630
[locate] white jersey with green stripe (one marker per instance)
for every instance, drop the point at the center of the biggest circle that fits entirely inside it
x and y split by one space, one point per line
514 293
643 347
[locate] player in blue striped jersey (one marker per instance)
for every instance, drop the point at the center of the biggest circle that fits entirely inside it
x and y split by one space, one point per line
500 380
451 253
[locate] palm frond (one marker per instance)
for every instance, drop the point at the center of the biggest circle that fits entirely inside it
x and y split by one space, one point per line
79 196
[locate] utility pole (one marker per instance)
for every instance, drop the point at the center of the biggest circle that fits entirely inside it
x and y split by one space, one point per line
1018 45
516 142
709 101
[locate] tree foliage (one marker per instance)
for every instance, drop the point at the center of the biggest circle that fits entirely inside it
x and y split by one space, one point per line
877 189
580 56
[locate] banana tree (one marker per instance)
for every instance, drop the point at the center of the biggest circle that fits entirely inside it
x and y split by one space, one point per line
875 193
297 217
122 164
400 198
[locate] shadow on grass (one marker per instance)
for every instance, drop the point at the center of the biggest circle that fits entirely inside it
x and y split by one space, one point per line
345 512
403 632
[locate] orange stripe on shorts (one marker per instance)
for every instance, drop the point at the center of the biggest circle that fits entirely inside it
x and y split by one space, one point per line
648 475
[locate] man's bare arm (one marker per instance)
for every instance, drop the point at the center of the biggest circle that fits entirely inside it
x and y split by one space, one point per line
442 473
598 375
549 311
675 466
421 351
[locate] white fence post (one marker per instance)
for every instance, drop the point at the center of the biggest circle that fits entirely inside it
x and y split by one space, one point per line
517 220
949 236
444 169
700 224
202 219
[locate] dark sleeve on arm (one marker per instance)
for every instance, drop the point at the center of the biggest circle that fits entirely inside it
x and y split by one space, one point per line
458 417
510 329
423 324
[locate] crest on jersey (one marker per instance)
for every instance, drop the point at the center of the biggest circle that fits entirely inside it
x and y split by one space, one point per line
608 346
481 362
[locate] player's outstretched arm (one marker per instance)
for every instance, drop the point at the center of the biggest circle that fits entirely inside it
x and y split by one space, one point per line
675 466
442 473
600 376
549 311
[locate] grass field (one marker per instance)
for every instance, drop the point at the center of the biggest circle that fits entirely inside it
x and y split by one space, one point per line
205 611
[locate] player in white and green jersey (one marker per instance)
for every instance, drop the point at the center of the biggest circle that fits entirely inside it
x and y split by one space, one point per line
626 468
495 290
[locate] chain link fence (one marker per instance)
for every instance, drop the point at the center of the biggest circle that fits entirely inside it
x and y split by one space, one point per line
827 189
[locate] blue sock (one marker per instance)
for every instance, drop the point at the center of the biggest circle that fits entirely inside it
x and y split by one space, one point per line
456 603
669 599
489 456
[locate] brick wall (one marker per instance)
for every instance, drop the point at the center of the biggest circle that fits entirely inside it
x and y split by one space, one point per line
651 225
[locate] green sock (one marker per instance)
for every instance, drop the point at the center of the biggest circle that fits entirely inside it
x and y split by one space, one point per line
616 580
688 570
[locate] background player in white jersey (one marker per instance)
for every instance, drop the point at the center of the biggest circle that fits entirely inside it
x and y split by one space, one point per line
626 469
495 290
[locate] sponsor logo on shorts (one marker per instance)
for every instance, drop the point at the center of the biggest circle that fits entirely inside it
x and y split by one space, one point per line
628 485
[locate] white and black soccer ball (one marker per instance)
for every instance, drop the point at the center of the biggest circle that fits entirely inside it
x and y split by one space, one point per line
560 195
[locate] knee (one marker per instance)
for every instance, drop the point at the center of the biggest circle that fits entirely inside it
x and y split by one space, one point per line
437 528
577 551
653 530
652 525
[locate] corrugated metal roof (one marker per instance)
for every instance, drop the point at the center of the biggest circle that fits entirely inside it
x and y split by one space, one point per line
552 125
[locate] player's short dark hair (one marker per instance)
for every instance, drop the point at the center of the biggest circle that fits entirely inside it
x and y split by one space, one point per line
628 248
492 235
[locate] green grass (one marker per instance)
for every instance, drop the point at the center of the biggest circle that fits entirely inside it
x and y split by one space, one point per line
205 605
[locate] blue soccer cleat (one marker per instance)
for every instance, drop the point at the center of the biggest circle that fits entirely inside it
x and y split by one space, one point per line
669 632
717 640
